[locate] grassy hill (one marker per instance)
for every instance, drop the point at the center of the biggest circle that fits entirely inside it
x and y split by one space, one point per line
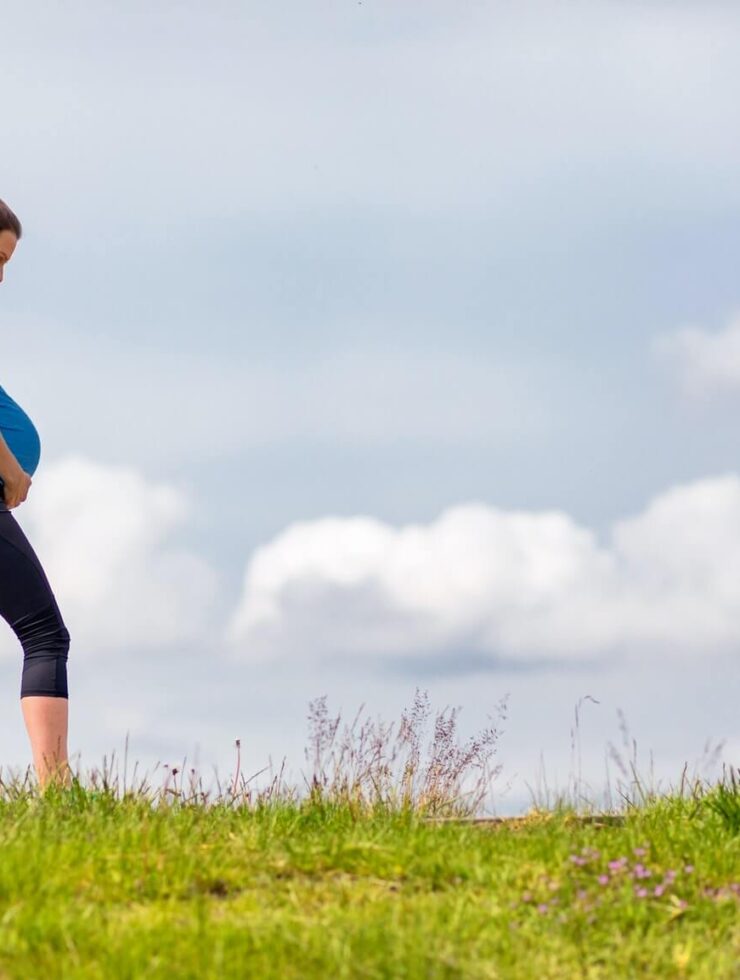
96 886
375 870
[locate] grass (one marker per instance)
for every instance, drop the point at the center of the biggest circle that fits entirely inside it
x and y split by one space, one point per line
370 871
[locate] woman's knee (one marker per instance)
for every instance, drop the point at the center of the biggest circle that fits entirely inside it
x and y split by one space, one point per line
45 640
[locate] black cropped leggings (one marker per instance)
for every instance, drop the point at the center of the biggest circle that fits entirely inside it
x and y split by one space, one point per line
28 605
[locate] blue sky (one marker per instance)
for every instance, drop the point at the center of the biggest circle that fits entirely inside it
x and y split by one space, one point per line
380 261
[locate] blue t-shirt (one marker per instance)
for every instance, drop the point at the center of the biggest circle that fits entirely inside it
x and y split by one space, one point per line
20 433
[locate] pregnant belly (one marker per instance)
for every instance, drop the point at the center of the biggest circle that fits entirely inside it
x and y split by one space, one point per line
20 433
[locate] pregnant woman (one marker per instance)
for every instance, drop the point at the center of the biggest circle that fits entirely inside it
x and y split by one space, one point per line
27 602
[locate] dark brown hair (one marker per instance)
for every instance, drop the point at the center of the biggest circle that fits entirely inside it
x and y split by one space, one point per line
8 221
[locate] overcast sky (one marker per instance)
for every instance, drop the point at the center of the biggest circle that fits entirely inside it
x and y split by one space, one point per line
373 346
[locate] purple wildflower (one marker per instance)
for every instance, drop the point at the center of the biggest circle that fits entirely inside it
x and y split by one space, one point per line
688 868
603 879
658 890
641 892
542 908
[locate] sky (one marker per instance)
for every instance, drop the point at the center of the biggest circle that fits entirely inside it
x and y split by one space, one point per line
378 346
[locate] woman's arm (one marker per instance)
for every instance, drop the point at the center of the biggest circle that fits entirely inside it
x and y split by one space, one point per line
17 481
9 465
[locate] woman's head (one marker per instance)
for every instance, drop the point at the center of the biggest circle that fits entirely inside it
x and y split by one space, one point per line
10 232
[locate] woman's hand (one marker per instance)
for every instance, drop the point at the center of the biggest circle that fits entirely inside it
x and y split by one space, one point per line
17 485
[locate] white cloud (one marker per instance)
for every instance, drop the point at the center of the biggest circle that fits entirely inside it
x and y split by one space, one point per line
704 361
103 535
480 580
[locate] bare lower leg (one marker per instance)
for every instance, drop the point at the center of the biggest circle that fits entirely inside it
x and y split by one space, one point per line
46 722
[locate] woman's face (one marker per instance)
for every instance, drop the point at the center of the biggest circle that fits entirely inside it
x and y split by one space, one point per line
8 241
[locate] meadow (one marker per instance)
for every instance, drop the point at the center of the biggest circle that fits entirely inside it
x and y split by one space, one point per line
380 865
